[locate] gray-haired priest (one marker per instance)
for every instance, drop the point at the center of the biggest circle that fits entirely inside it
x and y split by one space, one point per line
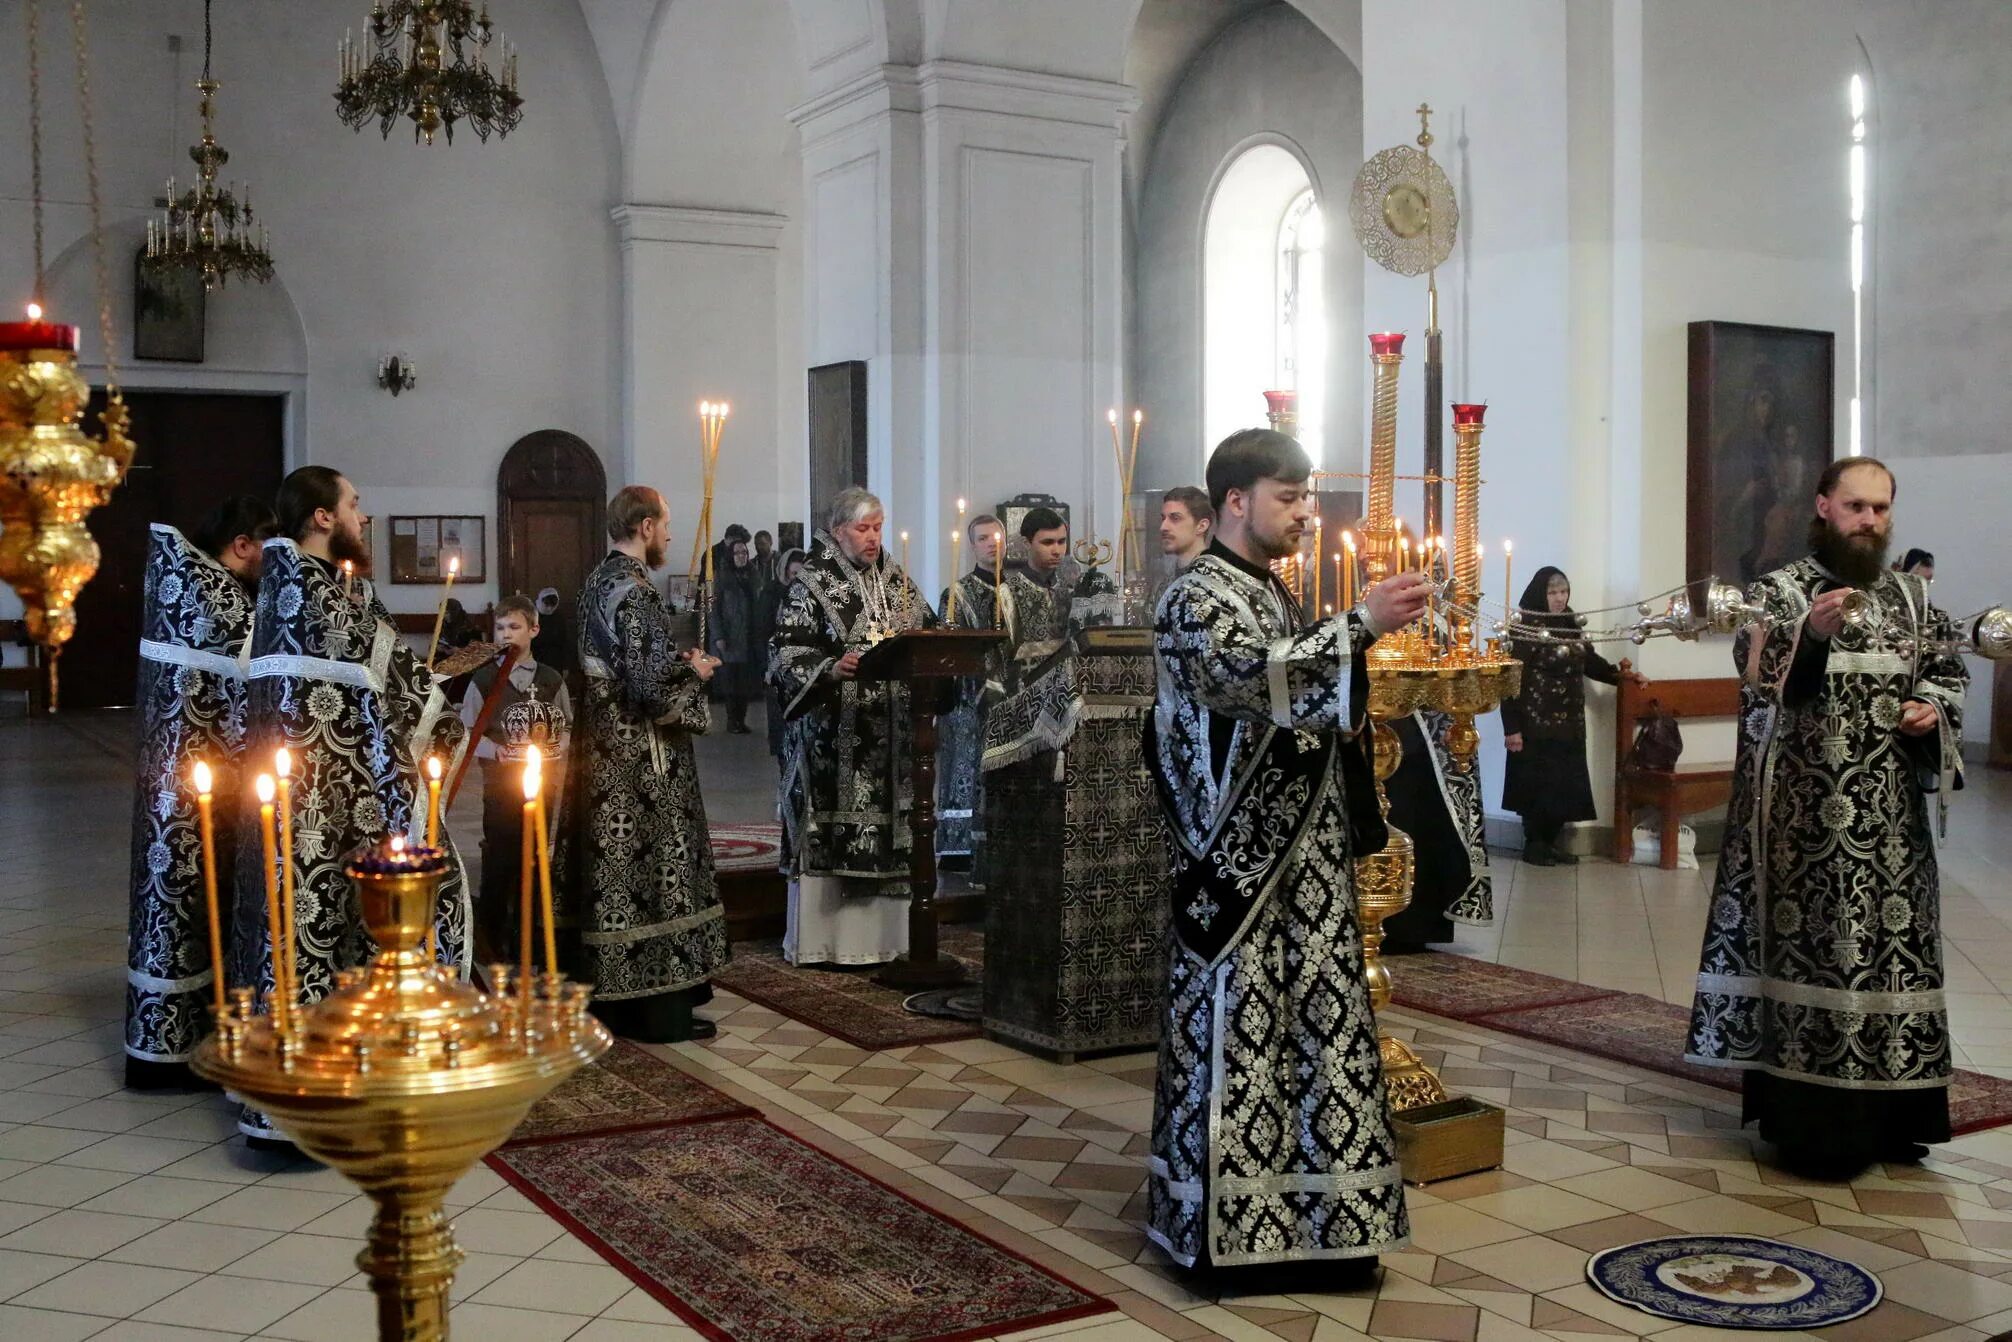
845 790
1821 975
1271 1143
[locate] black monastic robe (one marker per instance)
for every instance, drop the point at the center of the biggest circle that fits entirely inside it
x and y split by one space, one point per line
1271 1138
640 875
195 642
845 793
332 681
1821 974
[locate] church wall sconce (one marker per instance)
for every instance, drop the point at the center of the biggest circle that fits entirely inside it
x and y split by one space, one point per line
397 373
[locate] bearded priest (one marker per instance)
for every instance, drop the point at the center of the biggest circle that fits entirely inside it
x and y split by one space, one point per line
334 684
1821 974
1271 1140
641 891
845 794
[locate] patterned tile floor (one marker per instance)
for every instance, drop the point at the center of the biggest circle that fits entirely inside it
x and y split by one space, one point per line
126 1216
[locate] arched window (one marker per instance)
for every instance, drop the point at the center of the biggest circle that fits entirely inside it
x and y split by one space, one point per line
1264 314
1301 316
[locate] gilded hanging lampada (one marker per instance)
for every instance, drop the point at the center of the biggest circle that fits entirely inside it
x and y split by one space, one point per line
52 474
429 61
209 228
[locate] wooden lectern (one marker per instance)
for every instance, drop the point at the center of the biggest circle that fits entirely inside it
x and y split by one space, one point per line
930 662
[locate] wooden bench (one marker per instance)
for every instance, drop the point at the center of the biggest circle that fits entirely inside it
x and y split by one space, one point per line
1675 793
31 677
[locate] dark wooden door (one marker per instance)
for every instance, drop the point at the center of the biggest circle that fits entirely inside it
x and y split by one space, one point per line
192 452
560 541
551 509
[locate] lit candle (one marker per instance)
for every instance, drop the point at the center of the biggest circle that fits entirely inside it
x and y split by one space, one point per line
277 1001
956 539
283 766
535 767
432 801
1508 586
529 859
1403 553
1348 597
36 333
440 617
208 831
904 552
348 580
999 578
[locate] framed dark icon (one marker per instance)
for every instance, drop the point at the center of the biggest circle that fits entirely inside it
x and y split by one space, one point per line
1762 429
788 536
837 431
1014 511
168 310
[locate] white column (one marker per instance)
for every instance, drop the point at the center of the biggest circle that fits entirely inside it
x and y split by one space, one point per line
988 202
699 308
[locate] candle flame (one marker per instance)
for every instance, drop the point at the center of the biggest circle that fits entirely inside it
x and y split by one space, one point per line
282 762
722 409
433 767
534 771
264 787
960 507
1114 416
1348 539
904 536
34 312
202 774
705 409
348 567
454 567
1508 547
398 843
1138 418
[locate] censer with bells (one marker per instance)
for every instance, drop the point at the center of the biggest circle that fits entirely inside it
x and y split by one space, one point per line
52 474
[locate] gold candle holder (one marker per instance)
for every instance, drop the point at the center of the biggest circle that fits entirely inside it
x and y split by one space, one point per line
1379 524
402 1078
51 477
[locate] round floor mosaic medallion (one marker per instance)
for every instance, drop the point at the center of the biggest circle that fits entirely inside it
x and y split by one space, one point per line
1734 1281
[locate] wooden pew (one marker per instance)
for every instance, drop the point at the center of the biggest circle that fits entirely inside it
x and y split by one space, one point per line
31 676
1678 792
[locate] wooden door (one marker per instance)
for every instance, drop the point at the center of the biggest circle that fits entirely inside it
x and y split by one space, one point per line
193 451
551 510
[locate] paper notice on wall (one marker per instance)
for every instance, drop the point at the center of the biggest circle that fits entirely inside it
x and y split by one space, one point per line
427 545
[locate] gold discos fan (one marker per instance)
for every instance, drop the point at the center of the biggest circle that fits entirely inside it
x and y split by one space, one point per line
1403 208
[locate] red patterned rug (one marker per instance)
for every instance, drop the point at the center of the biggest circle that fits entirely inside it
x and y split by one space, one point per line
1621 1027
848 1005
747 847
1459 987
753 1236
630 1087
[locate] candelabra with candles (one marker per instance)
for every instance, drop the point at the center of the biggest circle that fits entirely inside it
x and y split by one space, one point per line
1439 663
428 60
404 1075
209 229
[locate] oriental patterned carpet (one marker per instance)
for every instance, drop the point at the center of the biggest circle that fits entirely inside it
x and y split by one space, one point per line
629 1087
753 1236
1623 1027
848 1003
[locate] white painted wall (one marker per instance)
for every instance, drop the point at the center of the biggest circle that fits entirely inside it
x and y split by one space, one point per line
494 266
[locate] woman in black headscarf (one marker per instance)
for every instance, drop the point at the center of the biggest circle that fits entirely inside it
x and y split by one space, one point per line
1544 727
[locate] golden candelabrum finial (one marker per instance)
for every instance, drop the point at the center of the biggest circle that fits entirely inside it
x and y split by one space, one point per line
405 1075
1093 554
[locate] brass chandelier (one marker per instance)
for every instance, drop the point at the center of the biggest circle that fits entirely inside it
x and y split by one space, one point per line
209 228
428 60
